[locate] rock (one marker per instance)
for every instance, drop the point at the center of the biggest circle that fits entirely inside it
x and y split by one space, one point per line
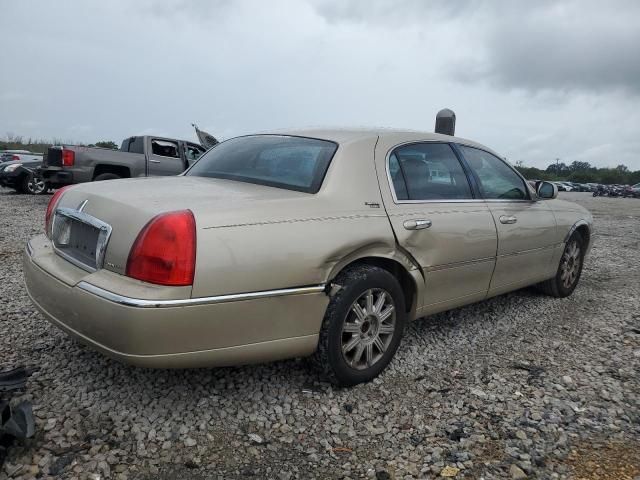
516 472
449 471
190 442
255 438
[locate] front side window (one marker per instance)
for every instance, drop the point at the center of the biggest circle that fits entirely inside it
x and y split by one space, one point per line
496 179
193 152
294 163
428 171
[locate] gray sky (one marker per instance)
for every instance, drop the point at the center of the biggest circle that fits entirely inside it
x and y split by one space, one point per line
532 80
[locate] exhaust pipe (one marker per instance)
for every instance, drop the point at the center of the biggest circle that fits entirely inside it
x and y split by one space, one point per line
446 122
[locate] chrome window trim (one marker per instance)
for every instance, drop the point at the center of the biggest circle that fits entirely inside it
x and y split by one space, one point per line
533 198
103 237
235 297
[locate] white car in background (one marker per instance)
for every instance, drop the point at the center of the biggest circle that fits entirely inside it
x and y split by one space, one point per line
19 156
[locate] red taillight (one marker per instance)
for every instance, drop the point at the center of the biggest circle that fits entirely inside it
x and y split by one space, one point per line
15 157
165 250
55 198
68 158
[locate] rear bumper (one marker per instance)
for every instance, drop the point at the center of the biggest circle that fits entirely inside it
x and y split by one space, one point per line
57 178
166 334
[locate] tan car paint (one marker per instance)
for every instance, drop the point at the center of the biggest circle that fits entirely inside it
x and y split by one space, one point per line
247 234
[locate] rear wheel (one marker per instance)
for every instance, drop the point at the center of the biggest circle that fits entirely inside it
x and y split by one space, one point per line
569 269
106 176
362 326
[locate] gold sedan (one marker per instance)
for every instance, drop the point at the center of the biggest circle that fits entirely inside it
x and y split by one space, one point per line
316 242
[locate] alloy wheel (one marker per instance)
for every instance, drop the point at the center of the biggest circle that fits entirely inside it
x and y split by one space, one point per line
368 328
36 185
570 267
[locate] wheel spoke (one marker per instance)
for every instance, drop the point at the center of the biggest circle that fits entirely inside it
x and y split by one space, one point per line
379 344
351 327
358 355
360 313
386 313
369 297
386 329
380 303
369 354
351 344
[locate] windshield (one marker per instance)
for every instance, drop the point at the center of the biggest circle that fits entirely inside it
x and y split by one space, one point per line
294 163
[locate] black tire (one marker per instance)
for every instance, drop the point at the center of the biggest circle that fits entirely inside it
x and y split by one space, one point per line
556 286
355 283
106 176
34 185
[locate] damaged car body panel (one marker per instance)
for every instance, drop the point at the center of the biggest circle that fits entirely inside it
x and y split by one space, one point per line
246 256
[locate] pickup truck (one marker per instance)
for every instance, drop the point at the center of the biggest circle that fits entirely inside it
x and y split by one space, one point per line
140 156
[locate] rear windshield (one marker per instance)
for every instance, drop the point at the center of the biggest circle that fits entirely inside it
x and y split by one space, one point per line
294 163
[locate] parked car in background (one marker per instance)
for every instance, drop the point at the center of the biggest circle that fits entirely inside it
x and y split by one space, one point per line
19 156
563 187
138 157
313 242
23 176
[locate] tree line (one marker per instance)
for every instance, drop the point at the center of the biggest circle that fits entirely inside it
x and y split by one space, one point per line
36 145
581 172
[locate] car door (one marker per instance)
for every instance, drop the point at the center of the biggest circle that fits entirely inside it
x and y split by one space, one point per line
164 157
526 226
438 220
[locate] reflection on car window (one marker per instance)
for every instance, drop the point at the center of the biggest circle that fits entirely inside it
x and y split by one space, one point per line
497 180
428 171
164 148
193 153
294 163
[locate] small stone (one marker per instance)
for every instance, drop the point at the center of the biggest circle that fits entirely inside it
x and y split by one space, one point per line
255 438
516 472
521 435
449 471
568 381
190 442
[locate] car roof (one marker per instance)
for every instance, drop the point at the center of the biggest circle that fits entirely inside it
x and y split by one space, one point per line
346 135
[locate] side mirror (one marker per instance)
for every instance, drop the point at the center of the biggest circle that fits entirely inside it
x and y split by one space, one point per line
547 190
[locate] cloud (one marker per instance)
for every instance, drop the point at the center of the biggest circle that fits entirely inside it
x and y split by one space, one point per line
559 46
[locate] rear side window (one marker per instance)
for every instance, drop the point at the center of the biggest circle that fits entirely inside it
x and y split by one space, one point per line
428 171
496 179
294 163
136 145
165 148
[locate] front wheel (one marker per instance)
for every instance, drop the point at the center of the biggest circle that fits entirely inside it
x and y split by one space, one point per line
362 327
34 185
569 269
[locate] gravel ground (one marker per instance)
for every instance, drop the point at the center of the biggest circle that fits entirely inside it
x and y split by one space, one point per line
518 386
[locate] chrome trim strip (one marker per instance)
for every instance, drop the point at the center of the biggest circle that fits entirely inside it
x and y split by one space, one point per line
103 237
186 302
29 249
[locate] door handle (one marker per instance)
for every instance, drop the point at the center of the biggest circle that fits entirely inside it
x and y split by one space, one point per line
508 219
154 161
417 224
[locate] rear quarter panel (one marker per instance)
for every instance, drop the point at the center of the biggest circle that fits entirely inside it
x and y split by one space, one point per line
302 241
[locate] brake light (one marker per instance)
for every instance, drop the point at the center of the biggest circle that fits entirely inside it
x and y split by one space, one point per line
15 157
164 252
68 157
55 198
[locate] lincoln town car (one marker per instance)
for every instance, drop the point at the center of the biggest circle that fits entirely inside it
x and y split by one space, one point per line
319 243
